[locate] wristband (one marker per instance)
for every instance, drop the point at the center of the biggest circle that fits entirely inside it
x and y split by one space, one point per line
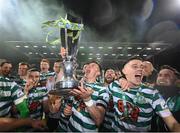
89 103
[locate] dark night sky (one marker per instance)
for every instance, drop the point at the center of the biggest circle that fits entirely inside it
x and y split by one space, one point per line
105 16
105 21
162 25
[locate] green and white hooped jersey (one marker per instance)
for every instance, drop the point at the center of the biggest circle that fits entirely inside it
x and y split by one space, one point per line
36 97
134 109
174 103
22 83
63 120
109 117
44 76
10 93
80 120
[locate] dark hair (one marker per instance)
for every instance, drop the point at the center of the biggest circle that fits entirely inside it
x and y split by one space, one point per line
58 60
130 59
4 62
108 69
24 63
170 68
45 60
33 70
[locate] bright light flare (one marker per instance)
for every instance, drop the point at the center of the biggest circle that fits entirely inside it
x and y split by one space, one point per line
177 3
3 5
173 6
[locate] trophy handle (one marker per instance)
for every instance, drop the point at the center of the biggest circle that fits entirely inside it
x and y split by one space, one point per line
67 42
63 38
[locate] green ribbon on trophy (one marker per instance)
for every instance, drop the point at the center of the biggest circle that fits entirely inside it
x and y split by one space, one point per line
62 23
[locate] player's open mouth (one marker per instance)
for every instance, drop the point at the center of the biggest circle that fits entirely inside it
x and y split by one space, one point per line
138 76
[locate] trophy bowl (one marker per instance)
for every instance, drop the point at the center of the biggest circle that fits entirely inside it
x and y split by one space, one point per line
64 86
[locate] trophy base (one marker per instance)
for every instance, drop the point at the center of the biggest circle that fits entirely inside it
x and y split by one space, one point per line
62 88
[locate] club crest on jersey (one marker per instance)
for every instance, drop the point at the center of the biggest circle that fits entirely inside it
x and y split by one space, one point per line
129 111
33 106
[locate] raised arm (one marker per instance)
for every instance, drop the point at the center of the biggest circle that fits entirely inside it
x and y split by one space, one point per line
172 124
96 111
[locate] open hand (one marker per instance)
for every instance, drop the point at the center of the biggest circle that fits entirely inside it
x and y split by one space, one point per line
29 84
83 92
63 52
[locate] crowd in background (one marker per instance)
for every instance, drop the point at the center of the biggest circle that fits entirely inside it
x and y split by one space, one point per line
136 98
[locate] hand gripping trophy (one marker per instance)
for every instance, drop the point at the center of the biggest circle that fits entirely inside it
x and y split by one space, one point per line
70 29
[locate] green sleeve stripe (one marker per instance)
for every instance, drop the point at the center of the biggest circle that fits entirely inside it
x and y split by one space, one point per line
102 101
121 128
85 114
147 115
14 88
4 99
72 128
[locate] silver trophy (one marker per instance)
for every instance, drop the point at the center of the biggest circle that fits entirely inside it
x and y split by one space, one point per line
69 41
